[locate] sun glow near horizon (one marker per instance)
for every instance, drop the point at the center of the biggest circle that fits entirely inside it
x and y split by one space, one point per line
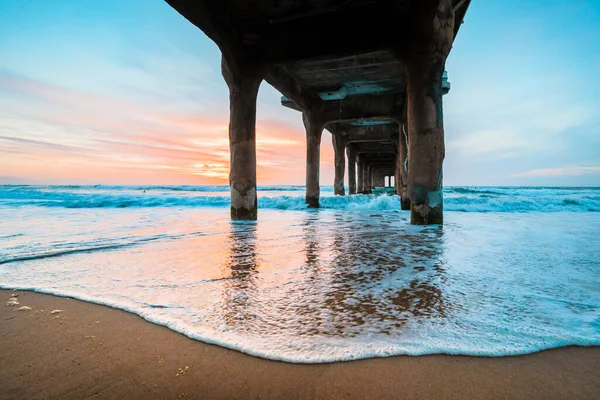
88 138
111 95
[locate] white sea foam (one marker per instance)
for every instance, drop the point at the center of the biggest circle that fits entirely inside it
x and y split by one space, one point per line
305 286
462 199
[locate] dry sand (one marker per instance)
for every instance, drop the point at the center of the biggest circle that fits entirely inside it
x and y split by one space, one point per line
68 349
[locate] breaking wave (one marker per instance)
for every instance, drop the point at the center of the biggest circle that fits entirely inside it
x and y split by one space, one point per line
304 286
463 199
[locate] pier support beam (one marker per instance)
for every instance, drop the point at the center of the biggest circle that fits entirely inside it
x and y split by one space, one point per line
361 175
351 153
365 189
314 130
424 69
243 82
402 169
339 147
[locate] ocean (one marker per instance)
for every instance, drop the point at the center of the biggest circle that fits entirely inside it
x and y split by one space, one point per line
513 270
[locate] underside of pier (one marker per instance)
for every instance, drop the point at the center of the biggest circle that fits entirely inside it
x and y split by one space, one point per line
372 72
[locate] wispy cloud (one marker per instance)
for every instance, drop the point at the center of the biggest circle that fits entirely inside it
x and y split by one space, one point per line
519 128
77 132
109 94
565 171
497 142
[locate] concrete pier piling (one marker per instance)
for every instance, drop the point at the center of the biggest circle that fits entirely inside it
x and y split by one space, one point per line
339 147
243 83
361 175
377 89
402 169
314 131
351 153
424 69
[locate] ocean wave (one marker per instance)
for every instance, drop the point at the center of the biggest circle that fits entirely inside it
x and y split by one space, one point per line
58 253
333 349
318 287
56 250
463 199
473 190
522 204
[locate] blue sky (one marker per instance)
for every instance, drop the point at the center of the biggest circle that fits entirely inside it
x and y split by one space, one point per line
130 92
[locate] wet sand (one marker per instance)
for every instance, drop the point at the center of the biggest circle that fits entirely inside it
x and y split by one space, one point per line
87 350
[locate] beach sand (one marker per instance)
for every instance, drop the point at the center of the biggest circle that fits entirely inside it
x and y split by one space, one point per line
86 350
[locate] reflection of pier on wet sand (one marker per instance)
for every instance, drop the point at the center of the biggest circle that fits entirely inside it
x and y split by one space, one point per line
370 71
99 352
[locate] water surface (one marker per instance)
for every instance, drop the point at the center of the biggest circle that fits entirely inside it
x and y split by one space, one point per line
512 271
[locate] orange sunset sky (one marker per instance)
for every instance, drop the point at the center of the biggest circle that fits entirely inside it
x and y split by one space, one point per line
97 138
129 92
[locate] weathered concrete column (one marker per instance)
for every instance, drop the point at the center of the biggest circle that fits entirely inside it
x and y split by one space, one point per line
361 175
314 130
434 33
339 147
375 179
396 175
351 154
372 178
402 169
369 179
364 178
243 82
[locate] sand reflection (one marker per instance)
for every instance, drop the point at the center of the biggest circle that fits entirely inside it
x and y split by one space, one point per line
243 266
339 277
384 281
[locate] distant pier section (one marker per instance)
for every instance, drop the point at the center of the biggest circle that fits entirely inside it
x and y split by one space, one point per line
372 72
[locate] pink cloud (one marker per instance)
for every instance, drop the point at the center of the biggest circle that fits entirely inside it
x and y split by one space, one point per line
53 132
565 171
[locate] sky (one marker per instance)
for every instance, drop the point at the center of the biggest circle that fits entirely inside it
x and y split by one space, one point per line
129 92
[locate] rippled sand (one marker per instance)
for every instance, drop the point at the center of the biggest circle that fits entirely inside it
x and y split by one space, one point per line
90 351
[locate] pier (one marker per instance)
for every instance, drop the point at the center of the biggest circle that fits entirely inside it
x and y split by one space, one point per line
372 72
